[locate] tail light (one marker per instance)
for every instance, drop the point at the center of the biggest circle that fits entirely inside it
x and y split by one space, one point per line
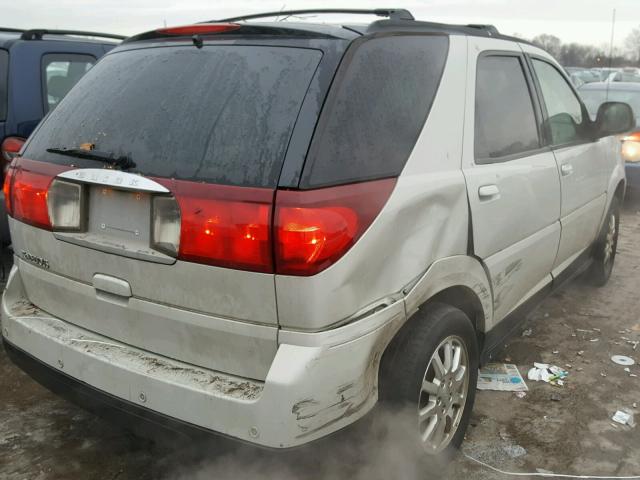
232 226
219 225
6 188
299 232
29 198
64 204
314 228
26 189
11 147
630 148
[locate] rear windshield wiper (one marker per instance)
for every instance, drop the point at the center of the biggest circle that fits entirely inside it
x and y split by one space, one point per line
122 161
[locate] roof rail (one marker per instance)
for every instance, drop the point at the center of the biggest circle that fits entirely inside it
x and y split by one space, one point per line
37 33
9 29
490 29
392 13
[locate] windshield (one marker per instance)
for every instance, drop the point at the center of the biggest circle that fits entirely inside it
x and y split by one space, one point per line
221 114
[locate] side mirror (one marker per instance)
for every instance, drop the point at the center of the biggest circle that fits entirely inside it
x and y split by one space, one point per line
614 118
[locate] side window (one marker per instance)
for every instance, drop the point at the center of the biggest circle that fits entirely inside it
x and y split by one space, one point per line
376 109
4 78
505 122
60 72
566 122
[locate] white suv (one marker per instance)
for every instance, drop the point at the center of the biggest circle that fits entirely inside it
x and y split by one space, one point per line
264 229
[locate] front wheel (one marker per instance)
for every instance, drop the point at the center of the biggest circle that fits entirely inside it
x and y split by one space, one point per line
605 247
431 369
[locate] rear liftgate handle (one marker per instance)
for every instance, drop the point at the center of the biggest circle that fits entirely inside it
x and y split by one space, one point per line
111 289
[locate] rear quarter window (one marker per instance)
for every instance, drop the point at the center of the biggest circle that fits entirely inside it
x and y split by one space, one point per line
376 109
4 80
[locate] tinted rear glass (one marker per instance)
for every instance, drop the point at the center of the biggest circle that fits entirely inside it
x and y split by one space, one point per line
4 78
221 114
505 122
376 109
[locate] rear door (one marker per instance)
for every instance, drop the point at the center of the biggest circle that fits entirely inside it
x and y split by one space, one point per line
512 179
4 90
581 161
207 129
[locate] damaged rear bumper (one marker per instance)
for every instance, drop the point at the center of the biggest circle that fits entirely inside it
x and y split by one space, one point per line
317 383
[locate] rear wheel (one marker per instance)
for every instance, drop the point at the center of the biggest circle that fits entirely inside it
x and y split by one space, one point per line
605 247
430 371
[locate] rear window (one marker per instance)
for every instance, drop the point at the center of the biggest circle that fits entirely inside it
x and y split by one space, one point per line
221 114
4 79
376 109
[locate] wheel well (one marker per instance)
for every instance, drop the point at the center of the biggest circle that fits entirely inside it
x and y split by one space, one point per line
464 299
619 193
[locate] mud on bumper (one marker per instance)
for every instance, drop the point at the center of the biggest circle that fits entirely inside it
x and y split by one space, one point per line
318 382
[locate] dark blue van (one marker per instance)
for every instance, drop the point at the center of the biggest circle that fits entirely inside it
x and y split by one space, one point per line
37 69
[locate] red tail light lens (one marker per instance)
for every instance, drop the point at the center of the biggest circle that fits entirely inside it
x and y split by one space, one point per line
199 29
6 188
27 189
29 198
10 149
314 228
224 225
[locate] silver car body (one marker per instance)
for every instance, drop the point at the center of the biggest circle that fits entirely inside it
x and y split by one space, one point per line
123 326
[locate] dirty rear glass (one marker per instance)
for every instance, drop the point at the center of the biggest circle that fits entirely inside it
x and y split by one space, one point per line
4 78
376 109
221 114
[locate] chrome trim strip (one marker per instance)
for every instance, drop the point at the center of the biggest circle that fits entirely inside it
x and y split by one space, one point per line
114 178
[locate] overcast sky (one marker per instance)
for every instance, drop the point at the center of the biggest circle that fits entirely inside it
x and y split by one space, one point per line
585 21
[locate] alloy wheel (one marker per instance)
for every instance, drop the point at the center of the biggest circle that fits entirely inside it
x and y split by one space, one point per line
443 394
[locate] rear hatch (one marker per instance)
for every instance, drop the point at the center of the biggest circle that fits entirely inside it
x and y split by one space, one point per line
166 162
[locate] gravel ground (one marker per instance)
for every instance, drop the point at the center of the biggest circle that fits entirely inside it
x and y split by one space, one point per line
563 430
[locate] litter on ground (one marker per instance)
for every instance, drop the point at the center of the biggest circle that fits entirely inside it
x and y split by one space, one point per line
551 374
624 418
502 377
623 360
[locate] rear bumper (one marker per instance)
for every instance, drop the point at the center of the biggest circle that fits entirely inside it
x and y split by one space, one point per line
126 414
317 383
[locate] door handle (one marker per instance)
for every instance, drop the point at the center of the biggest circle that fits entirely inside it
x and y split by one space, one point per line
566 169
486 192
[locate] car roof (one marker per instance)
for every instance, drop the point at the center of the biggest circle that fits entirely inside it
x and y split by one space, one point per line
9 36
616 86
399 21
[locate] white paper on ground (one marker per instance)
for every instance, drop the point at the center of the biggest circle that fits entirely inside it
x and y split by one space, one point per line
502 377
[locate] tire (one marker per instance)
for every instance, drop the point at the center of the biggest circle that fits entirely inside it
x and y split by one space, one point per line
605 247
410 359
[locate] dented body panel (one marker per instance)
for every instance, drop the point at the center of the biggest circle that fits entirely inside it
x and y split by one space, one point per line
288 408
425 219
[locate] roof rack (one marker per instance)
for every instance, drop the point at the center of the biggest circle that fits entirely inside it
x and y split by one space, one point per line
490 29
9 29
37 33
391 13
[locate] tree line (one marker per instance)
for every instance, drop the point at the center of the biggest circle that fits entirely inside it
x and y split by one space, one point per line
580 55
